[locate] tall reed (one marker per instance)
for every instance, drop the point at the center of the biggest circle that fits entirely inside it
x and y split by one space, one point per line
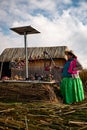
83 76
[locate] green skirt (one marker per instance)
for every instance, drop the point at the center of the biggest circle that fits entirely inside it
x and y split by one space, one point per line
72 90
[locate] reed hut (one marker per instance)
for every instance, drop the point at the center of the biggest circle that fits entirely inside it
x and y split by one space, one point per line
41 62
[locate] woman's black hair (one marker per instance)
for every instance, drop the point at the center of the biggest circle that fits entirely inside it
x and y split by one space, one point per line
69 53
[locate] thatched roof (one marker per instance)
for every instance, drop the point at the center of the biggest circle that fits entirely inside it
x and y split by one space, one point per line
10 54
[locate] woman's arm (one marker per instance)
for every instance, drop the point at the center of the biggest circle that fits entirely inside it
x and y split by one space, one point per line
72 68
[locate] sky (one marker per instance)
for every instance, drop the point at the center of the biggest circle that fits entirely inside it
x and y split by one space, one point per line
61 23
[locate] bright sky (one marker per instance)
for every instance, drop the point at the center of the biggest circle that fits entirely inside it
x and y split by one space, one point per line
61 23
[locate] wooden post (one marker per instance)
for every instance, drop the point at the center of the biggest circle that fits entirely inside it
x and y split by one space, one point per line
26 56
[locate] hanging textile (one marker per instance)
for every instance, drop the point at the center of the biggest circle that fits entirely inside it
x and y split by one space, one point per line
47 64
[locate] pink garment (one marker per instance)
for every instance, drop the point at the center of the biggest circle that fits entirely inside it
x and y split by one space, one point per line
72 67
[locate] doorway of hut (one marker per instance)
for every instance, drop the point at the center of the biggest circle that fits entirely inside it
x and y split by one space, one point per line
5 69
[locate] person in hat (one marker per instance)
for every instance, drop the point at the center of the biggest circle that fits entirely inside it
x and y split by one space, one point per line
71 85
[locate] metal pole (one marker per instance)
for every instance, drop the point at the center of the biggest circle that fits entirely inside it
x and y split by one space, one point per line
26 56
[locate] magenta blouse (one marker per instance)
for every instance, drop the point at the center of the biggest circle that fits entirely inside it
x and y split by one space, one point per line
73 66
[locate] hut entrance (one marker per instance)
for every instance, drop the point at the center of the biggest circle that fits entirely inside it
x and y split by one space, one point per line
6 70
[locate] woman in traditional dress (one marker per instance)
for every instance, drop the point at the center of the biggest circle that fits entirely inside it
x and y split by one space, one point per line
71 85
